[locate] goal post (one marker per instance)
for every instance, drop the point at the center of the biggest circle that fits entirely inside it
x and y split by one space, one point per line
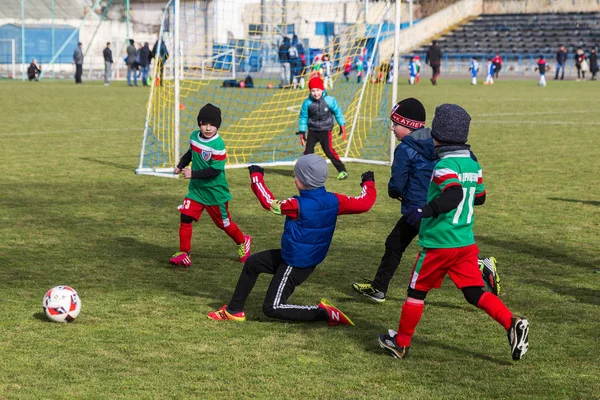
8 53
253 59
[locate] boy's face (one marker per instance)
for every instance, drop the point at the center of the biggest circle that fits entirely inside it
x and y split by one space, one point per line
316 93
400 131
208 130
299 184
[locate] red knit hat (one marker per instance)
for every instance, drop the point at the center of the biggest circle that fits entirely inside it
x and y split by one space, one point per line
316 83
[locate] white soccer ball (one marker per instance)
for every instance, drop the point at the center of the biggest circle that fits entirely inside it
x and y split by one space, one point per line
62 304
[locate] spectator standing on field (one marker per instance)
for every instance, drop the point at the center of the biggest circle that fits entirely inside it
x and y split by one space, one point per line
145 63
434 59
593 63
131 54
78 60
162 55
497 64
284 59
33 71
561 59
108 62
581 64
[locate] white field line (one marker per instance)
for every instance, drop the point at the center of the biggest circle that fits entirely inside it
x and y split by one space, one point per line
4 134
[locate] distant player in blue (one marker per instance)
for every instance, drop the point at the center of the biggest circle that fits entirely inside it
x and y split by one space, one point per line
413 70
490 73
474 68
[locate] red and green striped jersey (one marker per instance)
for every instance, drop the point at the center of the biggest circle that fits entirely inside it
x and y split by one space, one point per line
455 228
208 153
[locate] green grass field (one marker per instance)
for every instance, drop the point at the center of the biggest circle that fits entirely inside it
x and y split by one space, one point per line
72 212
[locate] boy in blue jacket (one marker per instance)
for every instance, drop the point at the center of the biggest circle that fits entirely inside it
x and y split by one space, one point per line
316 123
309 225
414 160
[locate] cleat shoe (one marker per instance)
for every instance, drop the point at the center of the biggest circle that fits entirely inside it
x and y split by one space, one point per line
222 314
388 341
244 249
342 175
336 317
491 278
518 337
181 258
368 290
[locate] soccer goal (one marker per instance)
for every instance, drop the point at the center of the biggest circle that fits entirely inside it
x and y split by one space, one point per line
7 58
253 59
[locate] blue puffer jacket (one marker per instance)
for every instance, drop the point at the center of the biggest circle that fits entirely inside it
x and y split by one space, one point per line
317 115
306 240
414 160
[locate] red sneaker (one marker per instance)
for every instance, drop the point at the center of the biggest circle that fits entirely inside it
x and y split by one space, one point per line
222 314
181 258
336 317
244 249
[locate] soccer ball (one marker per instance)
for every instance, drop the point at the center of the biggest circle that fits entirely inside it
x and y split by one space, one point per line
61 304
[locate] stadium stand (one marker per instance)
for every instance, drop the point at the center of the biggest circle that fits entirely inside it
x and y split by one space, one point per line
522 34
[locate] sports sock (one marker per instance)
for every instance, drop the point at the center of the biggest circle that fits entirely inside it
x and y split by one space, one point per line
495 308
234 232
412 310
185 236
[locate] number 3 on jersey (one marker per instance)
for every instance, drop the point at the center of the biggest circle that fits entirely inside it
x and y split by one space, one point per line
469 198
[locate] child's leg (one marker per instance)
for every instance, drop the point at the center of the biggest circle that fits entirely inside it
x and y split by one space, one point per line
327 145
411 80
221 217
466 276
311 141
265 262
190 211
283 284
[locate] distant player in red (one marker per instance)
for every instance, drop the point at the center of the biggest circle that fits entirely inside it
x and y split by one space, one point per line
446 235
208 189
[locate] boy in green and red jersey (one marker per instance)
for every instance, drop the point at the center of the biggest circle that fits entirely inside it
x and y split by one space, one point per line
208 187
446 234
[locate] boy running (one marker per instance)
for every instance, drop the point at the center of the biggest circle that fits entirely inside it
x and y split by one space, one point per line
208 187
446 234
309 226
489 80
474 68
316 121
541 66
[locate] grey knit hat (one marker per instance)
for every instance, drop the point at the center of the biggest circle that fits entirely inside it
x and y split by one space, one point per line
450 124
311 170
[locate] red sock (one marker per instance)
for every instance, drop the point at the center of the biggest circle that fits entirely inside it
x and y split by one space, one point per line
235 233
185 237
495 308
411 314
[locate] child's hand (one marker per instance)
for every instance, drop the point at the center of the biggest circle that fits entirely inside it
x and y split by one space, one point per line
276 207
302 139
255 168
177 171
413 215
187 173
343 132
368 176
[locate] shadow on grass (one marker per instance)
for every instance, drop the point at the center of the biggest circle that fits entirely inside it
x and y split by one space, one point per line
128 167
553 254
279 171
586 202
583 295
41 316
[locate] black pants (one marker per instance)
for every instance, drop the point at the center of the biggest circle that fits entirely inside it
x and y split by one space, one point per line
78 72
395 244
285 279
435 72
324 137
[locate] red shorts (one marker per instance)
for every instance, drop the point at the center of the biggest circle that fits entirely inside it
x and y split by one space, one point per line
219 214
432 265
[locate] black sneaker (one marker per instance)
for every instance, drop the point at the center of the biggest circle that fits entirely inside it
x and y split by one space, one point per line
518 337
368 290
388 341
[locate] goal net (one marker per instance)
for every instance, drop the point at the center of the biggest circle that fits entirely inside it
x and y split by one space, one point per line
253 59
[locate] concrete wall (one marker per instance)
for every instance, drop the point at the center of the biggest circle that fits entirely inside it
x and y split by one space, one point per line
433 26
537 6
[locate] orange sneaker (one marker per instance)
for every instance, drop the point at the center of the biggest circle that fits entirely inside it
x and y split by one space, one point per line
336 317
244 249
223 314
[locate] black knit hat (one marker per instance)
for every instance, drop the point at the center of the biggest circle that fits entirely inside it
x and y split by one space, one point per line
450 124
409 113
210 114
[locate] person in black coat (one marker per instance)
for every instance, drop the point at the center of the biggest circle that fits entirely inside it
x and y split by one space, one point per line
33 71
434 59
108 62
145 63
593 63
561 59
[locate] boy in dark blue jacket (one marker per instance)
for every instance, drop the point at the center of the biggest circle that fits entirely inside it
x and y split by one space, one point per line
309 225
414 160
